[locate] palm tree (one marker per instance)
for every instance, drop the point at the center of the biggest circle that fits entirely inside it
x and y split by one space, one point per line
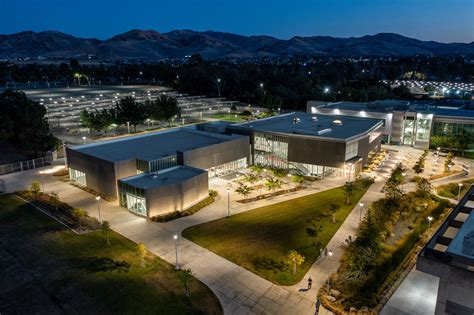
251 177
273 183
105 226
243 190
298 179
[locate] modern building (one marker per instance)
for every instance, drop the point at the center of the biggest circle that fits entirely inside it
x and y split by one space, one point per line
412 123
317 145
157 172
449 255
168 171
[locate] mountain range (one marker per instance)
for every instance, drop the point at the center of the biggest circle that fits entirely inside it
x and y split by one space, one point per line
149 44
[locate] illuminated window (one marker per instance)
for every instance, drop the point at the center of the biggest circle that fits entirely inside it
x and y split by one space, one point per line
77 176
352 150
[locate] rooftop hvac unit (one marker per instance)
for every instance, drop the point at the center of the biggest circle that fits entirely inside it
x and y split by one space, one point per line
321 132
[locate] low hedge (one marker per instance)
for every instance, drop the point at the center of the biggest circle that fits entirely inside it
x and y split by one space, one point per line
179 214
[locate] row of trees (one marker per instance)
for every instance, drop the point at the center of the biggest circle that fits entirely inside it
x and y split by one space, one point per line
419 166
23 124
128 110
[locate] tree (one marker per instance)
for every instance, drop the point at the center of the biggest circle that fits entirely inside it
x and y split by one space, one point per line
298 179
251 177
449 161
79 214
418 167
349 191
165 108
23 124
35 188
243 190
141 252
423 187
186 276
295 259
273 183
333 208
271 101
130 111
393 191
256 169
105 227
463 140
54 200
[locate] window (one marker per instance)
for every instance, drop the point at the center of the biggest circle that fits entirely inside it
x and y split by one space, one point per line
271 150
132 198
77 176
163 163
352 150
423 129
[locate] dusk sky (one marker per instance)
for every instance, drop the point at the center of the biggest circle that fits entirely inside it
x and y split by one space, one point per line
440 20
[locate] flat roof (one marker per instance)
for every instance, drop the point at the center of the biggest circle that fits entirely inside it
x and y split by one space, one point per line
152 146
457 232
167 177
317 125
449 109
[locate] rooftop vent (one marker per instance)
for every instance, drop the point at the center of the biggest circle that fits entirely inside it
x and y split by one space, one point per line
337 122
296 120
314 118
321 132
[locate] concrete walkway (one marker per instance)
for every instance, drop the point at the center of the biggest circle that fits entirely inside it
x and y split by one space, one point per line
239 290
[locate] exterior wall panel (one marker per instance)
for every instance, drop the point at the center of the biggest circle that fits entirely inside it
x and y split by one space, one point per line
177 196
316 152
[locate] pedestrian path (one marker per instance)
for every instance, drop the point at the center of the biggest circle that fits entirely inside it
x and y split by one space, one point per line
239 290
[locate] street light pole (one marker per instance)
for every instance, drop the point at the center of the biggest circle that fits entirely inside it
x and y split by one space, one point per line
98 208
430 218
219 87
84 139
361 205
228 202
175 237
329 272
41 177
459 191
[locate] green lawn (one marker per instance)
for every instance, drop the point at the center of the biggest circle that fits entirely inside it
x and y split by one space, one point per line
259 240
228 117
52 270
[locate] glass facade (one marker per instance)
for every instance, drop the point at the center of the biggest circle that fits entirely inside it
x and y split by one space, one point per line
408 130
132 198
156 165
451 129
271 150
78 177
227 168
317 170
423 127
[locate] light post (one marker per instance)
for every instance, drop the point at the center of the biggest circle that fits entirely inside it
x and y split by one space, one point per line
459 191
64 152
175 237
98 208
228 202
262 90
128 126
329 272
41 178
361 205
148 122
430 218
210 111
219 87
84 139
228 112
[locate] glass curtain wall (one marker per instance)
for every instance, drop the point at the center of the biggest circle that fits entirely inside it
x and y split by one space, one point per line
227 168
408 130
271 150
423 129
163 163
132 198
77 176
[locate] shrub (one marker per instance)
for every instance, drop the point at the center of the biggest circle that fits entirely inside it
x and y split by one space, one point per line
179 214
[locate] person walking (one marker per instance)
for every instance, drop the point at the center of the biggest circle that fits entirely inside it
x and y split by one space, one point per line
310 283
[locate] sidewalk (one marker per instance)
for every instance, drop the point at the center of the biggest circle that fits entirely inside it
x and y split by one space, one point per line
238 290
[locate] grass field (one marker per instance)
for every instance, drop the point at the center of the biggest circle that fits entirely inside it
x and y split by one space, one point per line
228 117
48 269
259 240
